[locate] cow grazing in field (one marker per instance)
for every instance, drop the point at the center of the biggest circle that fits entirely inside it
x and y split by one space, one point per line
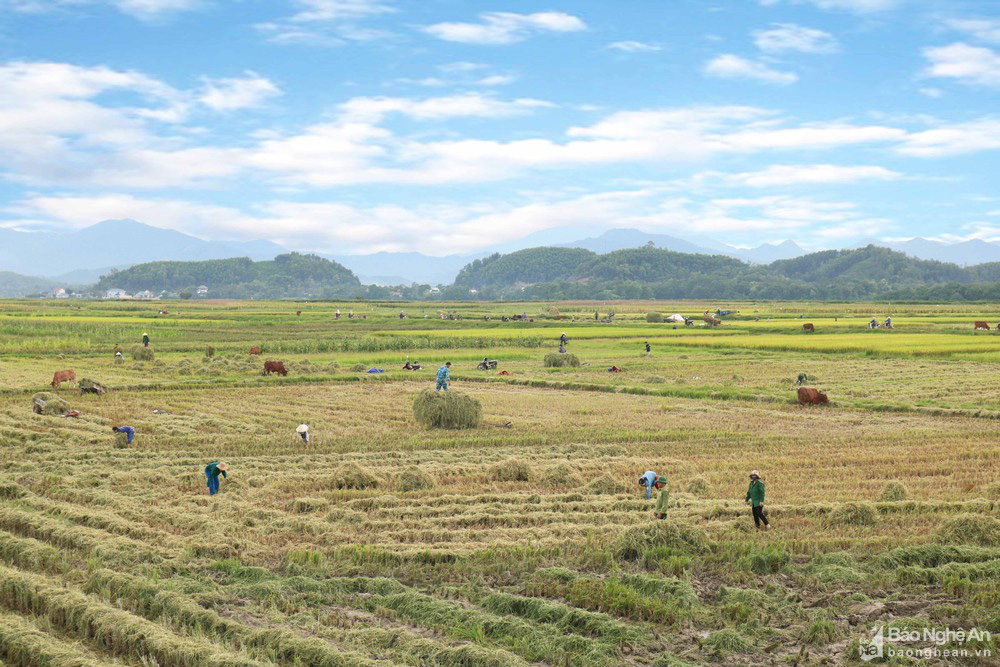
255 351
275 367
298 313
812 397
62 376
982 326
808 327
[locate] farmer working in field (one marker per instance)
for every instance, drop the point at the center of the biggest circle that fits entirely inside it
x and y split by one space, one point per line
145 339
649 480
563 339
648 349
662 498
303 431
443 375
755 496
212 472
127 430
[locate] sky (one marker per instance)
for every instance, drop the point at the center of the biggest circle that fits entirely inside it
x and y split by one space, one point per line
453 126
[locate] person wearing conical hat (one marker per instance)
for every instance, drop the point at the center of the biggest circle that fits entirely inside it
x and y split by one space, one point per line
303 431
145 339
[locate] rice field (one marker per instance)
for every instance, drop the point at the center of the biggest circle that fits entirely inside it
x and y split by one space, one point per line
523 540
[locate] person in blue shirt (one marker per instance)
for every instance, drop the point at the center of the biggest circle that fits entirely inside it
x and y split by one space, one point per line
212 472
650 480
127 430
443 375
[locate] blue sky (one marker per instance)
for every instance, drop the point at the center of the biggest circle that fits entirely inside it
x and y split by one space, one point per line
446 126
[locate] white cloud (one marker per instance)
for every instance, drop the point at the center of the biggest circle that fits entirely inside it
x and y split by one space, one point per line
343 228
141 9
505 27
372 109
729 66
635 47
954 139
972 65
933 93
792 37
326 23
338 10
986 30
806 174
246 92
858 6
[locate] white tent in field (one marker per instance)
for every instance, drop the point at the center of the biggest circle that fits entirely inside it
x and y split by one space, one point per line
676 318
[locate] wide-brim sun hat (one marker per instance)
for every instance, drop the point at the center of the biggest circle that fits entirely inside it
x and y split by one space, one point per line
301 428
223 466
754 472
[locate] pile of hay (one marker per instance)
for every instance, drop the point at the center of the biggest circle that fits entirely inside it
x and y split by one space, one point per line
140 353
970 528
45 403
854 514
894 492
557 360
308 505
447 409
414 479
561 476
678 537
352 476
88 386
605 485
654 318
511 470
359 368
698 486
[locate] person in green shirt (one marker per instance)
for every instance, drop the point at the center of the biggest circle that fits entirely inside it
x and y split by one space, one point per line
662 498
212 472
755 496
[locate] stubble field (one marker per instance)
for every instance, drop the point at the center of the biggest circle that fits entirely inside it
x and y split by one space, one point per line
523 541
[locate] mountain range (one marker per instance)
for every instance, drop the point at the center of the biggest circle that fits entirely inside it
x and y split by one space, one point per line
81 257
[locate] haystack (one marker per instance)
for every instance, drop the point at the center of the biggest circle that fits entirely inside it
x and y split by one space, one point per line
447 409
45 403
88 386
557 360
414 479
140 353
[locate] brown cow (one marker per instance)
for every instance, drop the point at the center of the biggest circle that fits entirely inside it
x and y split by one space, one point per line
812 397
298 313
808 327
62 376
255 351
982 326
275 367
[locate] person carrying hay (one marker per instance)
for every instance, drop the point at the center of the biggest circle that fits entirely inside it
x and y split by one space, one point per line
443 376
651 480
145 339
755 497
127 430
212 472
303 431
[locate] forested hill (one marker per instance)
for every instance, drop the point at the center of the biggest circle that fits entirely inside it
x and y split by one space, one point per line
289 275
650 272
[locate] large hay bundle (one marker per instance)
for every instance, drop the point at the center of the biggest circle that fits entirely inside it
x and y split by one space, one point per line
45 403
140 353
447 409
654 318
511 470
414 479
968 528
680 538
557 360
88 386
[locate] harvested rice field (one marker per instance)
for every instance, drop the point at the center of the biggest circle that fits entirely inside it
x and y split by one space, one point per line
524 540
